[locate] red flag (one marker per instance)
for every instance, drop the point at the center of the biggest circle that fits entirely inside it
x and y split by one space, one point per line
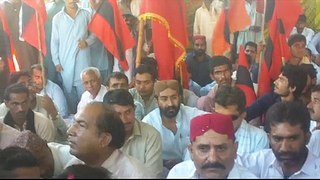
220 37
34 16
109 26
244 81
7 41
277 49
170 37
238 17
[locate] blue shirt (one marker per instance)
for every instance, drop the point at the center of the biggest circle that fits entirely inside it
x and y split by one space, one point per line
66 32
199 70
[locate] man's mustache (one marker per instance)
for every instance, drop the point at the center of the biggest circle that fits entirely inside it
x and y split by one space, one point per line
213 165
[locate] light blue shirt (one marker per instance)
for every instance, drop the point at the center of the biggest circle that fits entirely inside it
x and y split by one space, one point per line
148 106
314 143
174 146
250 139
66 32
265 165
187 170
205 90
56 94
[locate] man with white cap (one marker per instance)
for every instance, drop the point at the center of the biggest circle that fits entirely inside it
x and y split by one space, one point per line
213 150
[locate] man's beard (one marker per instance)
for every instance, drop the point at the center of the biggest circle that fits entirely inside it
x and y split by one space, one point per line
170 112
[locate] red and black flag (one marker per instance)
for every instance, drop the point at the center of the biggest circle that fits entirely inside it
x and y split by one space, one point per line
34 16
230 22
277 49
6 41
244 81
109 26
170 37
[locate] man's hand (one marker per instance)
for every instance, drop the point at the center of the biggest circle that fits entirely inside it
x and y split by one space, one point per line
48 105
59 68
82 44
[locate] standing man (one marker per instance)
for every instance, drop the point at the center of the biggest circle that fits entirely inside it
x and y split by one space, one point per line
213 149
300 28
288 126
70 50
142 141
205 20
172 120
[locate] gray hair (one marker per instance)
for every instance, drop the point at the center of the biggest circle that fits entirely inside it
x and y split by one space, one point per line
90 69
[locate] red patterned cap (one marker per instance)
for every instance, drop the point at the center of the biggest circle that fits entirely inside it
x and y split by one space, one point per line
219 123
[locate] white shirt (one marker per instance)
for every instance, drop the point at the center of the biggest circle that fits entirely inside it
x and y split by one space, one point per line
314 45
61 156
307 32
7 135
86 97
121 166
264 165
43 126
174 146
187 170
250 139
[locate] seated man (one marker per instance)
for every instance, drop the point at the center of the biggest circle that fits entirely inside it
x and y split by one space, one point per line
96 138
142 141
213 150
18 163
118 80
21 117
38 103
51 90
288 126
172 120
95 91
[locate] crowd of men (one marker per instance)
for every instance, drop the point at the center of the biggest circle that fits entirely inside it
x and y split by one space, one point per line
81 116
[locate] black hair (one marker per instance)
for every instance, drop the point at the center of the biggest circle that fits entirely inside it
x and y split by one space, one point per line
109 121
12 158
117 75
227 95
294 113
296 38
219 61
15 89
296 78
119 97
146 68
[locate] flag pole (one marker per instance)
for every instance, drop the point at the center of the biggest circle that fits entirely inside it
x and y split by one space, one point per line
261 55
140 42
40 53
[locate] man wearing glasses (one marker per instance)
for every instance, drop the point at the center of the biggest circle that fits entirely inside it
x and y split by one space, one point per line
232 101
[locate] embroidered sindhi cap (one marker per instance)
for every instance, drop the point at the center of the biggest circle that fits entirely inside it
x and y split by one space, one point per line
160 86
219 123
198 36
30 141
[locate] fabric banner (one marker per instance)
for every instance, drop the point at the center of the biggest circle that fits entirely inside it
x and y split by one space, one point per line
169 36
34 16
109 27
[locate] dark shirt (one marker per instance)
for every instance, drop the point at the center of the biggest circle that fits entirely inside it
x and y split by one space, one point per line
200 71
261 105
